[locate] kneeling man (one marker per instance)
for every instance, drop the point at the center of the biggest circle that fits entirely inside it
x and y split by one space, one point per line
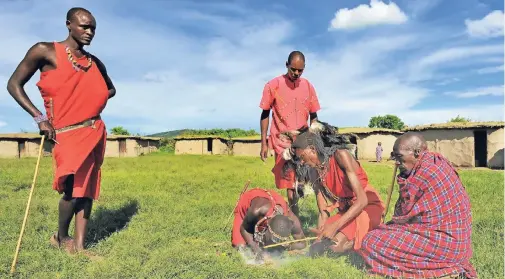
263 217
430 232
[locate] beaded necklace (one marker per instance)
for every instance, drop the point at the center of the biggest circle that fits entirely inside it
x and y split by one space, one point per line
75 64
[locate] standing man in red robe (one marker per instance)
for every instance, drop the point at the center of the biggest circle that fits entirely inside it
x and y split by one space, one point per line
75 87
293 100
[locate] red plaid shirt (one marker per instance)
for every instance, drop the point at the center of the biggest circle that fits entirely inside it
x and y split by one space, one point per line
430 232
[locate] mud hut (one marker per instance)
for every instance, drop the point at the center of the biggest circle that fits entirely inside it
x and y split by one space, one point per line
471 144
130 146
202 145
22 145
248 146
365 141
27 145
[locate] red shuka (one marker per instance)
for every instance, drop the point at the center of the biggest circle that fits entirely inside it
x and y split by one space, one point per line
243 205
76 96
338 184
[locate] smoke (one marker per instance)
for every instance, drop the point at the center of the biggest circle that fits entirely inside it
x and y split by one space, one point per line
274 258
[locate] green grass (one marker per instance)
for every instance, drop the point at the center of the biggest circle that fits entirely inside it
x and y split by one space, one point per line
161 216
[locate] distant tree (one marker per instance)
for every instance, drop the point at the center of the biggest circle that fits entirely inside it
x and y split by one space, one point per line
459 119
387 121
119 130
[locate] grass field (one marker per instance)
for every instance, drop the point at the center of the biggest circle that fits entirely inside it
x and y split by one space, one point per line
161 216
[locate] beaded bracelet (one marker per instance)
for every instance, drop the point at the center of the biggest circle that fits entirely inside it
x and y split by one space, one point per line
40 118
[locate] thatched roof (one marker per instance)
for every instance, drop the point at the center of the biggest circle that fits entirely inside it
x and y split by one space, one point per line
198 137
112 137
366 130
457 125
16 136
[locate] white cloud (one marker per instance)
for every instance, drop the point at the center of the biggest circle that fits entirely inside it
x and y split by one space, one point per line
489 26
377 13
456 53
483 91
490 70
419 7
448 81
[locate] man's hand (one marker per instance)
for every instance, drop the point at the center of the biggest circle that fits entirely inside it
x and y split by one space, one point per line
47 129
323 217
264 152
326 231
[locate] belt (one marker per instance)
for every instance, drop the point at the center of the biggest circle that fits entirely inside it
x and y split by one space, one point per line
85 123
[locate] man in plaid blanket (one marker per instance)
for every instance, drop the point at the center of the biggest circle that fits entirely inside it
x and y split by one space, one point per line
429 235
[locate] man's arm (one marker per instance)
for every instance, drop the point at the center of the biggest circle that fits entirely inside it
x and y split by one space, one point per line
33 60
322 207
108 81
264 121
249 221
313 117
314 104
344 161
297 233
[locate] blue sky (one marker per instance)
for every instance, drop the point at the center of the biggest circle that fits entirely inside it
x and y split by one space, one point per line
203 64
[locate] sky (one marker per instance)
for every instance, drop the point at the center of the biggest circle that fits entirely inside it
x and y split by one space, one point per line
203 64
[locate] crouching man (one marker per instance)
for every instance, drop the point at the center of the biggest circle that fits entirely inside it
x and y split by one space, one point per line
263 217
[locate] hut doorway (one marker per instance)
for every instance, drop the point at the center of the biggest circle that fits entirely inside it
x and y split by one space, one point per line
122 147
480 148
209 146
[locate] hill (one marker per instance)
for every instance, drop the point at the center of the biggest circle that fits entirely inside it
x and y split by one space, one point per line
168 134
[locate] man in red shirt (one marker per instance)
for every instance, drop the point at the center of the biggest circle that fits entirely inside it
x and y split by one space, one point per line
293 100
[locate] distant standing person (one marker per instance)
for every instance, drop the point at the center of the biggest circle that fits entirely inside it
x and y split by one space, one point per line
378 152
293 100
75 87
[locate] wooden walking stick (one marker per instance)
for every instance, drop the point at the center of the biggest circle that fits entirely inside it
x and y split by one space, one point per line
245 188
13 266
390 191
291 241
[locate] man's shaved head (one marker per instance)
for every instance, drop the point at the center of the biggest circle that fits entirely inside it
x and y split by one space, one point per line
407 151
73 11
412 141
295 54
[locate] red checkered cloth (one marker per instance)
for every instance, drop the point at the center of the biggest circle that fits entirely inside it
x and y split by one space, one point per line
430 232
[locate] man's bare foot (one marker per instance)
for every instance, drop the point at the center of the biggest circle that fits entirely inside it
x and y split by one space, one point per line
67 243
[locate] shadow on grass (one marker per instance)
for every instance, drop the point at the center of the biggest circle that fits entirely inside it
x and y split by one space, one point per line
105 222
21 187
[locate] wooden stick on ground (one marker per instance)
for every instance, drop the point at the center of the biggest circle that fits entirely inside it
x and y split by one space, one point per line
231 214
13 266
291 241
390 191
